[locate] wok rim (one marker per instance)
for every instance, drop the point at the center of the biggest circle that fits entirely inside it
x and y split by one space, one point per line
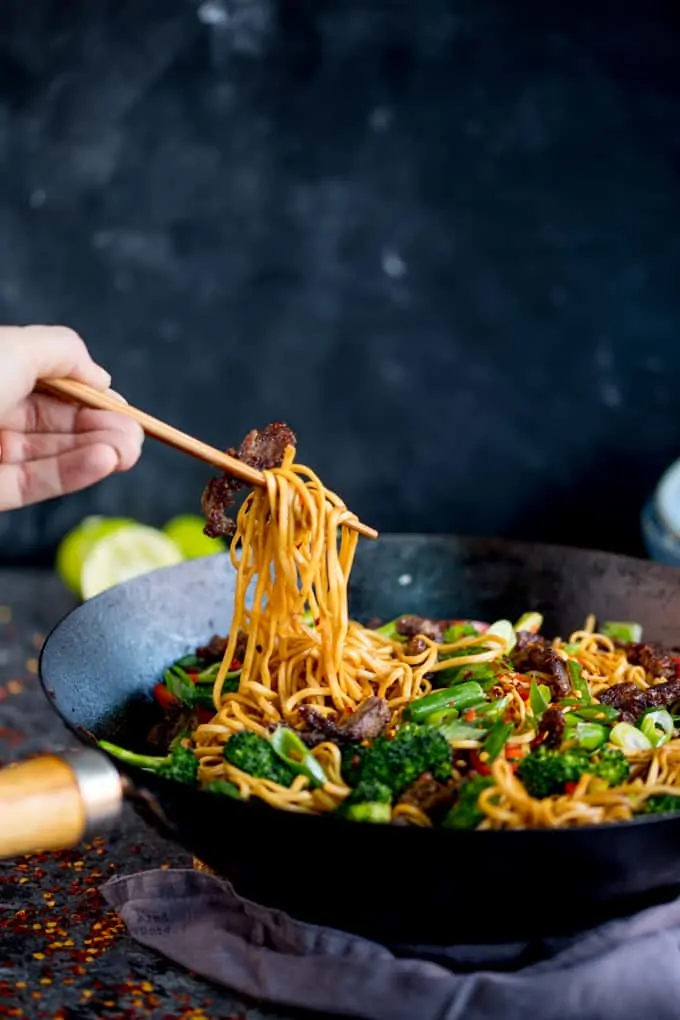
253 804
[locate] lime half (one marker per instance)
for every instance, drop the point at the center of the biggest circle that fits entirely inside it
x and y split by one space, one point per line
187 531
74 548
125 553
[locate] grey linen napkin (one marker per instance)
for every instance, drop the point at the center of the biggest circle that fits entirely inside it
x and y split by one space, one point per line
624 968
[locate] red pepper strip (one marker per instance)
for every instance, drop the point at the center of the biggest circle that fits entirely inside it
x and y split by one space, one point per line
164 698
570 787
676 660
235 664
513 752
204 714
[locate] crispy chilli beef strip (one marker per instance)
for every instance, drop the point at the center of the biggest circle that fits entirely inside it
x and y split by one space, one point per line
261 449
415 628
366 723
551 727
654 659
533 652
177 719
430 796
631 702
217 646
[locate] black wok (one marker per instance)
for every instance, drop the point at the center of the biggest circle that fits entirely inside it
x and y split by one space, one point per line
393 884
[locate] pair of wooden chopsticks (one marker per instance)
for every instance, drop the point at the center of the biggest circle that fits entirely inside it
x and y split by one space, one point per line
69 389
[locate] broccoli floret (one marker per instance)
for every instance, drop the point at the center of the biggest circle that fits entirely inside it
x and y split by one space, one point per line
660 804
612 766
544 772
256 756
397 762
370 791
181 764
369 811
465 814
369 801
352 760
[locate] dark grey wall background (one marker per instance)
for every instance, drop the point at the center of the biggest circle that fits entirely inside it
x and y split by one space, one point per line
439 238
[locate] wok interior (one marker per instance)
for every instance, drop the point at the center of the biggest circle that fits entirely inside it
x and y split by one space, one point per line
101 662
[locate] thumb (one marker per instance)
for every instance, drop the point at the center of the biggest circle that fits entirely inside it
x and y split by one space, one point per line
31 353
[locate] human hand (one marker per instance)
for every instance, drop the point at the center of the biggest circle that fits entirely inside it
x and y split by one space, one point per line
48 447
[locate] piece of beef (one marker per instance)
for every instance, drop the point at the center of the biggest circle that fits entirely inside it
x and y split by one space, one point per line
414 626
217 646
551 727
631 702
430 796
177 719
217 498
654 659
627 698
366 723
416 645
533 652
663 695
262 449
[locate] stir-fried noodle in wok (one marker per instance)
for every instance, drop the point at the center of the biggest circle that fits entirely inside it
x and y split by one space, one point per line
455 723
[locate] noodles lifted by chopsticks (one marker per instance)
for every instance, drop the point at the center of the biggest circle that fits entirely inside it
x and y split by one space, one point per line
293 553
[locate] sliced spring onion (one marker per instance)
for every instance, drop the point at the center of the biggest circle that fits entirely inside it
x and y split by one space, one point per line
297 756
657 725
531 622
589 735
629 738
621 631
505 630
539 698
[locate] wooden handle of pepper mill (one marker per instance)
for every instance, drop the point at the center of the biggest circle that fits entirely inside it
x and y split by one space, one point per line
52 803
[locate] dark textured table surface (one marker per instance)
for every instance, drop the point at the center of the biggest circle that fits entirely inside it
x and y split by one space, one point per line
63 954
